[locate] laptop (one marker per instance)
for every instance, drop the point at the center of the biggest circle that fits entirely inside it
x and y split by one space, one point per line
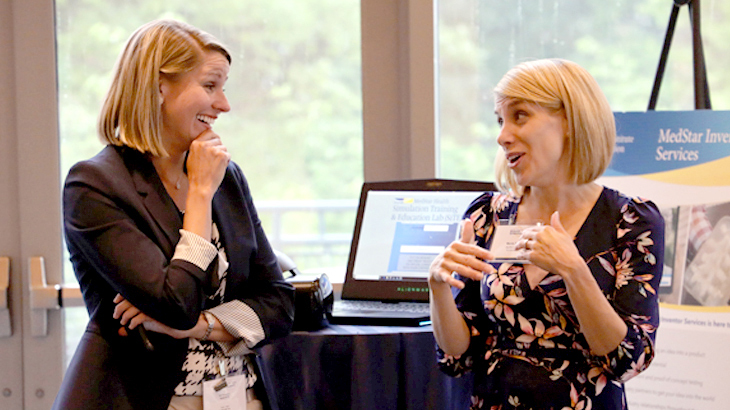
401 226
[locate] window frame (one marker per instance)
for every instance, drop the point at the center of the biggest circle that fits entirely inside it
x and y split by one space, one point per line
399 138
399 89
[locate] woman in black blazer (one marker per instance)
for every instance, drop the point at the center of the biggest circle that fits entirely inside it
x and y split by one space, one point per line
163 236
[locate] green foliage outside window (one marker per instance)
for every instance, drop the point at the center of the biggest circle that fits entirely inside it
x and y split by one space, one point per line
295 126
296 121
618 41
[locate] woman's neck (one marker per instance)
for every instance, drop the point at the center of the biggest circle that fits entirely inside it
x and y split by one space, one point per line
573 202
173 164
170 169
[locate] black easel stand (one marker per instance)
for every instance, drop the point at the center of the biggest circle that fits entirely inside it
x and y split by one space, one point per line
702 91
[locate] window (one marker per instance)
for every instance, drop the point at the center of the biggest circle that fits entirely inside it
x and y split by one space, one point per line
619 42
295 127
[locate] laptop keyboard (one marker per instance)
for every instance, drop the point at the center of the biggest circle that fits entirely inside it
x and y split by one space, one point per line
380 306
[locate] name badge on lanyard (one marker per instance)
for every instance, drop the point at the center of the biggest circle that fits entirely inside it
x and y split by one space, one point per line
226 393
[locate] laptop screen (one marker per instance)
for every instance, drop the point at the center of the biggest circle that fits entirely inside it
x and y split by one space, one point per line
401 227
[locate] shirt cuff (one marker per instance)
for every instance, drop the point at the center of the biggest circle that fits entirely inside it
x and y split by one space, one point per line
194 249
242 322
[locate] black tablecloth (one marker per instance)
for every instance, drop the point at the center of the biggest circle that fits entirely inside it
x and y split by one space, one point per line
361 367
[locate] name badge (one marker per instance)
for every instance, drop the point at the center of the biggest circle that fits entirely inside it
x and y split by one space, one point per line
228 393
503 244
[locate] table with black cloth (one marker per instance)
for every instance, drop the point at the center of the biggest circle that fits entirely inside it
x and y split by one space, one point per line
344 367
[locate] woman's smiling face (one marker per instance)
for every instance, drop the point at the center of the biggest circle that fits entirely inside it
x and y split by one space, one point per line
533 140
192 101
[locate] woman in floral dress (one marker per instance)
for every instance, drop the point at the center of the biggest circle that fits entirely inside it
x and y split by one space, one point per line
566 328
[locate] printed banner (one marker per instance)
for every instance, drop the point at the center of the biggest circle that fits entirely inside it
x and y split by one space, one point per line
681 161
688 372
672 157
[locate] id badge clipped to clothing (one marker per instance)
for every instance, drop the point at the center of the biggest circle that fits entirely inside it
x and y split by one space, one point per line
506 236
226 393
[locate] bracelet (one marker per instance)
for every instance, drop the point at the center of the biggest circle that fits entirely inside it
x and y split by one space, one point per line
211 321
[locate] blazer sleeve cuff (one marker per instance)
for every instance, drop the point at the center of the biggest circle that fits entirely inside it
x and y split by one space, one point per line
241 321
194 249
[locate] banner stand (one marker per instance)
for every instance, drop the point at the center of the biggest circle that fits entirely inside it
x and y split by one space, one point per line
681 161
702 90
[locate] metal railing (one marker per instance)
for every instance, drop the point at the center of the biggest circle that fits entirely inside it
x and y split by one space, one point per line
314 233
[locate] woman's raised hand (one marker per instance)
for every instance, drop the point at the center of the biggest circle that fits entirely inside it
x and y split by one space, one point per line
550 247
207 162
463 257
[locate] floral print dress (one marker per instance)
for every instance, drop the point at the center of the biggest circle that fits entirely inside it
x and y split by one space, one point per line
527 350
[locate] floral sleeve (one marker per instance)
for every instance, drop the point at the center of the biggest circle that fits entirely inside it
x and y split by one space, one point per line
469 304
636 263
482 332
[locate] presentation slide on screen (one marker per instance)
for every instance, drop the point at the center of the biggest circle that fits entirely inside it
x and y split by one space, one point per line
681 161
403 231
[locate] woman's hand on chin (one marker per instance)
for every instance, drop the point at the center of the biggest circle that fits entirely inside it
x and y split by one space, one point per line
207 162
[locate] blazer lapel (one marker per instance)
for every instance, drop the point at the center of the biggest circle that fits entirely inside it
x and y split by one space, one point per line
158 203
235 230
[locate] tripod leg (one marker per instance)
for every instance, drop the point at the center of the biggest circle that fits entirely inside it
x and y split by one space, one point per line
663 58
702 89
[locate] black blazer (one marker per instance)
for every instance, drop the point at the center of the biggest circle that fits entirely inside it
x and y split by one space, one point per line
121 229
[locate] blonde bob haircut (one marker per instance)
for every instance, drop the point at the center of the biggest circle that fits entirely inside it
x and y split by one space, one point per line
561 85
131 114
